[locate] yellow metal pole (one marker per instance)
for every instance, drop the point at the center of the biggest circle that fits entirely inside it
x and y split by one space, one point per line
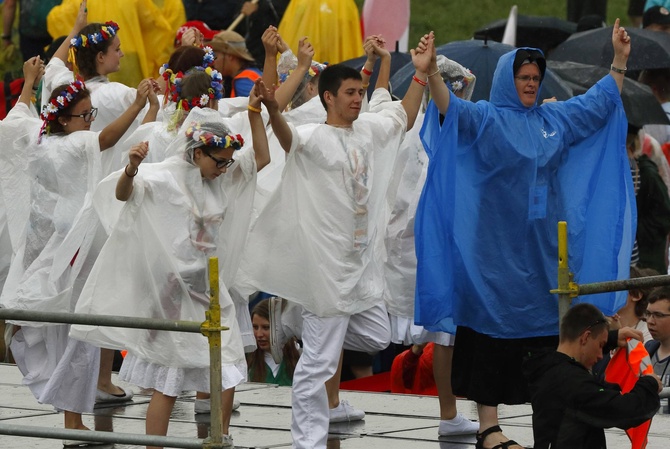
212 329
566 288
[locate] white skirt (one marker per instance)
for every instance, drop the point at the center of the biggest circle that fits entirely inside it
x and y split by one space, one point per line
172 381
59 370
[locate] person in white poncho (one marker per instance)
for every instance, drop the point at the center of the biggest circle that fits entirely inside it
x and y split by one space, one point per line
400 265
319 233
177 213
49 169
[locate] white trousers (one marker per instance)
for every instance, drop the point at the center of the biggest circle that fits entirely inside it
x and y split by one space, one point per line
323 340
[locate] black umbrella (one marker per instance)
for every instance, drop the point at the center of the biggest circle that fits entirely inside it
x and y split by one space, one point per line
639 102
481 57
648 49
398 60
543 32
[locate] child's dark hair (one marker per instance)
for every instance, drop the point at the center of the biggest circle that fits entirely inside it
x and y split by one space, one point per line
331 79
86 55
56 126
185 58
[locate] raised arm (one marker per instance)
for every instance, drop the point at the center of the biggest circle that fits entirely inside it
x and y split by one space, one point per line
277 120
258 136
288 87
374 47
109 136
438 90
154 104
621 44
33 69
270 38
8 14
124 186
81 21
423 59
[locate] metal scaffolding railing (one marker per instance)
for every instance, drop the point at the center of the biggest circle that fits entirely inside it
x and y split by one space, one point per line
211 328
568 289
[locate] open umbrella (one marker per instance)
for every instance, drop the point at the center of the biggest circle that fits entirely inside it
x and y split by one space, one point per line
543 32
481 57
639 102
398 60
648 49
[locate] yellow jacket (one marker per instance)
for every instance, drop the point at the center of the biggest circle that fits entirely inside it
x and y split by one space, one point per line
146 30
332 26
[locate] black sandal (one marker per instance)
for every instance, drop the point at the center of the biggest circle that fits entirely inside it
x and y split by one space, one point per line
482 436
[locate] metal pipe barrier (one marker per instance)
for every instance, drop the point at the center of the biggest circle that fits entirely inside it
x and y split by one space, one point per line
568 289
211 328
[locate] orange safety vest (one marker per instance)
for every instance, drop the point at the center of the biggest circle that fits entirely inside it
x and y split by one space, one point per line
624 369
246 73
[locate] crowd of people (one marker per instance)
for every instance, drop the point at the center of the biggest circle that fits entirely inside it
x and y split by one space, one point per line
428 222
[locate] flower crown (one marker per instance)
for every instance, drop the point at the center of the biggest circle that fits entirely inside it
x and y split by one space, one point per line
170 77
107 31
51 110
209 139
315 69
214 92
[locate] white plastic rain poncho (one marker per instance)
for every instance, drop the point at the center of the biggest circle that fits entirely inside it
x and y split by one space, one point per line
62 171
112 100
314 242
52 183
154 263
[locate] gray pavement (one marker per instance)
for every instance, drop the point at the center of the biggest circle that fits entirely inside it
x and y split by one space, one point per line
263 421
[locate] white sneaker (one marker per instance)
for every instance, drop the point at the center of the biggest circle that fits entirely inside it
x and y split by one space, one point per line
203 406
227 441
277 336
460 425
345 412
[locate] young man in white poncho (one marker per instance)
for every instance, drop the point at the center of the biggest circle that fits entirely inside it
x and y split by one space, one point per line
320 234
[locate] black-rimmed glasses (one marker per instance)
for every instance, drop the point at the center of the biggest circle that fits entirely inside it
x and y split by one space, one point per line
87 116
221 163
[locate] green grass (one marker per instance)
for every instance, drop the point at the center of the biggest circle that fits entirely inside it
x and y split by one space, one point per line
457 19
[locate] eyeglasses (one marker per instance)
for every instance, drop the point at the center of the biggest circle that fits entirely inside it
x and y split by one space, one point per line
221 163
87 116
526 78
657 315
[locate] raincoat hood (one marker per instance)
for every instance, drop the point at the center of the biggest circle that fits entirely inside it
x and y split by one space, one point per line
503 89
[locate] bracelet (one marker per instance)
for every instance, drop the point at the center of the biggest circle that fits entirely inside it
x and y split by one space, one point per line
434 73
423 83
618 70
125 170
6 37
366 71
365 85
253 109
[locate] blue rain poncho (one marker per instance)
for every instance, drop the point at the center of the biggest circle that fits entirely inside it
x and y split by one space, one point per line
500 177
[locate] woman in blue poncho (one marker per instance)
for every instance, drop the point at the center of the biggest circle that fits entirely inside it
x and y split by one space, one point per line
501 175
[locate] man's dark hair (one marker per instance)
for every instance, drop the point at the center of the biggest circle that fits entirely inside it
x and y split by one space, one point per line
580 318
659 294
642 292
331 79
